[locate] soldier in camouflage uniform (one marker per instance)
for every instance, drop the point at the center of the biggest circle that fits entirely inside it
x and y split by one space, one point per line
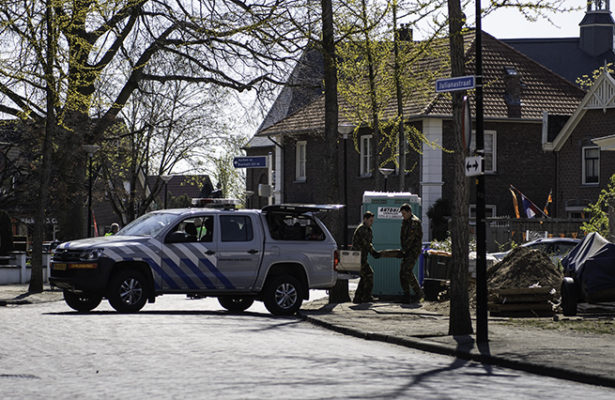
411 244
362 240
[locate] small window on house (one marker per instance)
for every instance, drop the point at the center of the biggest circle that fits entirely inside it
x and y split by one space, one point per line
591 165
366 155
490 141
490 211
300 174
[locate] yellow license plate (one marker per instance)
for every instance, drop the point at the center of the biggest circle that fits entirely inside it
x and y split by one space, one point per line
59 267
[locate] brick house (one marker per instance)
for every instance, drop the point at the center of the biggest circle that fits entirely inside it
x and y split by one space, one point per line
581 149
517 94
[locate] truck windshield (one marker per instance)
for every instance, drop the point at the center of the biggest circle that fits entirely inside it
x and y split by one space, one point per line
148 225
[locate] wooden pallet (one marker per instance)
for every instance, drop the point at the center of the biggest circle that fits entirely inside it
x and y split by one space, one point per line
521 302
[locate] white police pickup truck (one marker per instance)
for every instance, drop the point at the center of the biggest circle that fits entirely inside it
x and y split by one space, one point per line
275 255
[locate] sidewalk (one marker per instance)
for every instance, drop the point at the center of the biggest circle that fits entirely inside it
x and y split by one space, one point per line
568 354
18 294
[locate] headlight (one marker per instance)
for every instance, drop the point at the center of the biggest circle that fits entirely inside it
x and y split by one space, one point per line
91 255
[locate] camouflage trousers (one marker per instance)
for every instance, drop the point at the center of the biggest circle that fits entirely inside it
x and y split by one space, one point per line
407 279
366 284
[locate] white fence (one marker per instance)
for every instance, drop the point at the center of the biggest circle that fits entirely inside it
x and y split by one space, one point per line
17 271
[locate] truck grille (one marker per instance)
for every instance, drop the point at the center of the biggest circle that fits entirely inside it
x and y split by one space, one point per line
67 255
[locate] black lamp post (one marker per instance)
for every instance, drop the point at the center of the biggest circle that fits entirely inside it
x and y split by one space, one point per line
386 172
249 194
345 130
165 179
91 149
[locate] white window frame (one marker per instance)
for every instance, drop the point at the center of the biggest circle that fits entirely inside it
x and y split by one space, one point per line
583 164
489 169
490 212
300 160
365 148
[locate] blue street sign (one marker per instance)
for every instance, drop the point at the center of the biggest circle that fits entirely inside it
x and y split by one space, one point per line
455 84
250 162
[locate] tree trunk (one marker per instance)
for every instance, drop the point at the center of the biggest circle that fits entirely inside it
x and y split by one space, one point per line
339 293
331 107
460 322
400 105
36 276
377 153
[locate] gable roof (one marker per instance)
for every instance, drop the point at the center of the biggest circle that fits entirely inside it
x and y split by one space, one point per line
303 85
541 90
600 96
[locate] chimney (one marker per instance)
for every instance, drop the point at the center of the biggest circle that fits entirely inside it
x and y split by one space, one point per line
512 92
405 33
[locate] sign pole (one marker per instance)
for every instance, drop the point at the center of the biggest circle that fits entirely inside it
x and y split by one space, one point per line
270 176
481 261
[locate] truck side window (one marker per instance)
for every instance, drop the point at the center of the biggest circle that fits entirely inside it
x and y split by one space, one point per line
236 228
207 229
293 227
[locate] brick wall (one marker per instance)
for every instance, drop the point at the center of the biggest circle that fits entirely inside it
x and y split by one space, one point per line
594 124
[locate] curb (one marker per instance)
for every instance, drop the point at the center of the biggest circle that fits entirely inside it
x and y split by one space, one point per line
554 372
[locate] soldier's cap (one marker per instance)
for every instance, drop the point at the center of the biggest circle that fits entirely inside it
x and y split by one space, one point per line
368 214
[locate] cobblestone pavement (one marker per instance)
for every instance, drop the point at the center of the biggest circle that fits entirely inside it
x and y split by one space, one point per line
581 356
180 348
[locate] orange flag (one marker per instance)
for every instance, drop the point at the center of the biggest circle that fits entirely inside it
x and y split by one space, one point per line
515 203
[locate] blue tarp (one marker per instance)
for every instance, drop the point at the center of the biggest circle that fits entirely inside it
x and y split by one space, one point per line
593 263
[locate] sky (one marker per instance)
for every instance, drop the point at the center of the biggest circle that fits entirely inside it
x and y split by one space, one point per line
507 23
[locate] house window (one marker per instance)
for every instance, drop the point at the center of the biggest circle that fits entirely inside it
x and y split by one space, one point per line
490 211
490 141
591 165
366 155
300 174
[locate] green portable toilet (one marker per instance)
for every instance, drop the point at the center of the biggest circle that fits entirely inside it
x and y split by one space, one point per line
386 228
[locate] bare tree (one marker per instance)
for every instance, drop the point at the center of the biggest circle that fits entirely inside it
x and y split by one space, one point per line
165 128
235 44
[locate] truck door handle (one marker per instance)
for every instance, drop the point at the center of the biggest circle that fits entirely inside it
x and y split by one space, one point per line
210 252
253 251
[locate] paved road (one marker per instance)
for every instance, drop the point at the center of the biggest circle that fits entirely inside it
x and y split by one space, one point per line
180 348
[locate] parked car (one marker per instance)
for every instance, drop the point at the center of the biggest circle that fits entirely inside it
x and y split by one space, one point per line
589 271
274 255
555 248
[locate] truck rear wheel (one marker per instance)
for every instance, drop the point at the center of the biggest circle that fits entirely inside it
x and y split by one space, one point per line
82 302
127 291
235 303
282 295
569 297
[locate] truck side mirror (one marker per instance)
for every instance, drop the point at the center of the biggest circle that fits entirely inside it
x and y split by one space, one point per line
176 237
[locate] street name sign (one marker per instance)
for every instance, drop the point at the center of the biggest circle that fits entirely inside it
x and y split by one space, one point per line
455 84
250 162
473 166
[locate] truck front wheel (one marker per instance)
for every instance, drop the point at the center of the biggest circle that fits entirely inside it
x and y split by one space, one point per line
282 295
127 291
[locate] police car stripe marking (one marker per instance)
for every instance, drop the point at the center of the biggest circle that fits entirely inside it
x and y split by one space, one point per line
182 275
227 284
165 277
208 283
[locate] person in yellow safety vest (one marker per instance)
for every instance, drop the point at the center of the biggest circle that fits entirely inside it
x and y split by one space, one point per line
115 227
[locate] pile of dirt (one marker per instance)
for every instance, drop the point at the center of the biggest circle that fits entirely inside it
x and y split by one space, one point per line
523 268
